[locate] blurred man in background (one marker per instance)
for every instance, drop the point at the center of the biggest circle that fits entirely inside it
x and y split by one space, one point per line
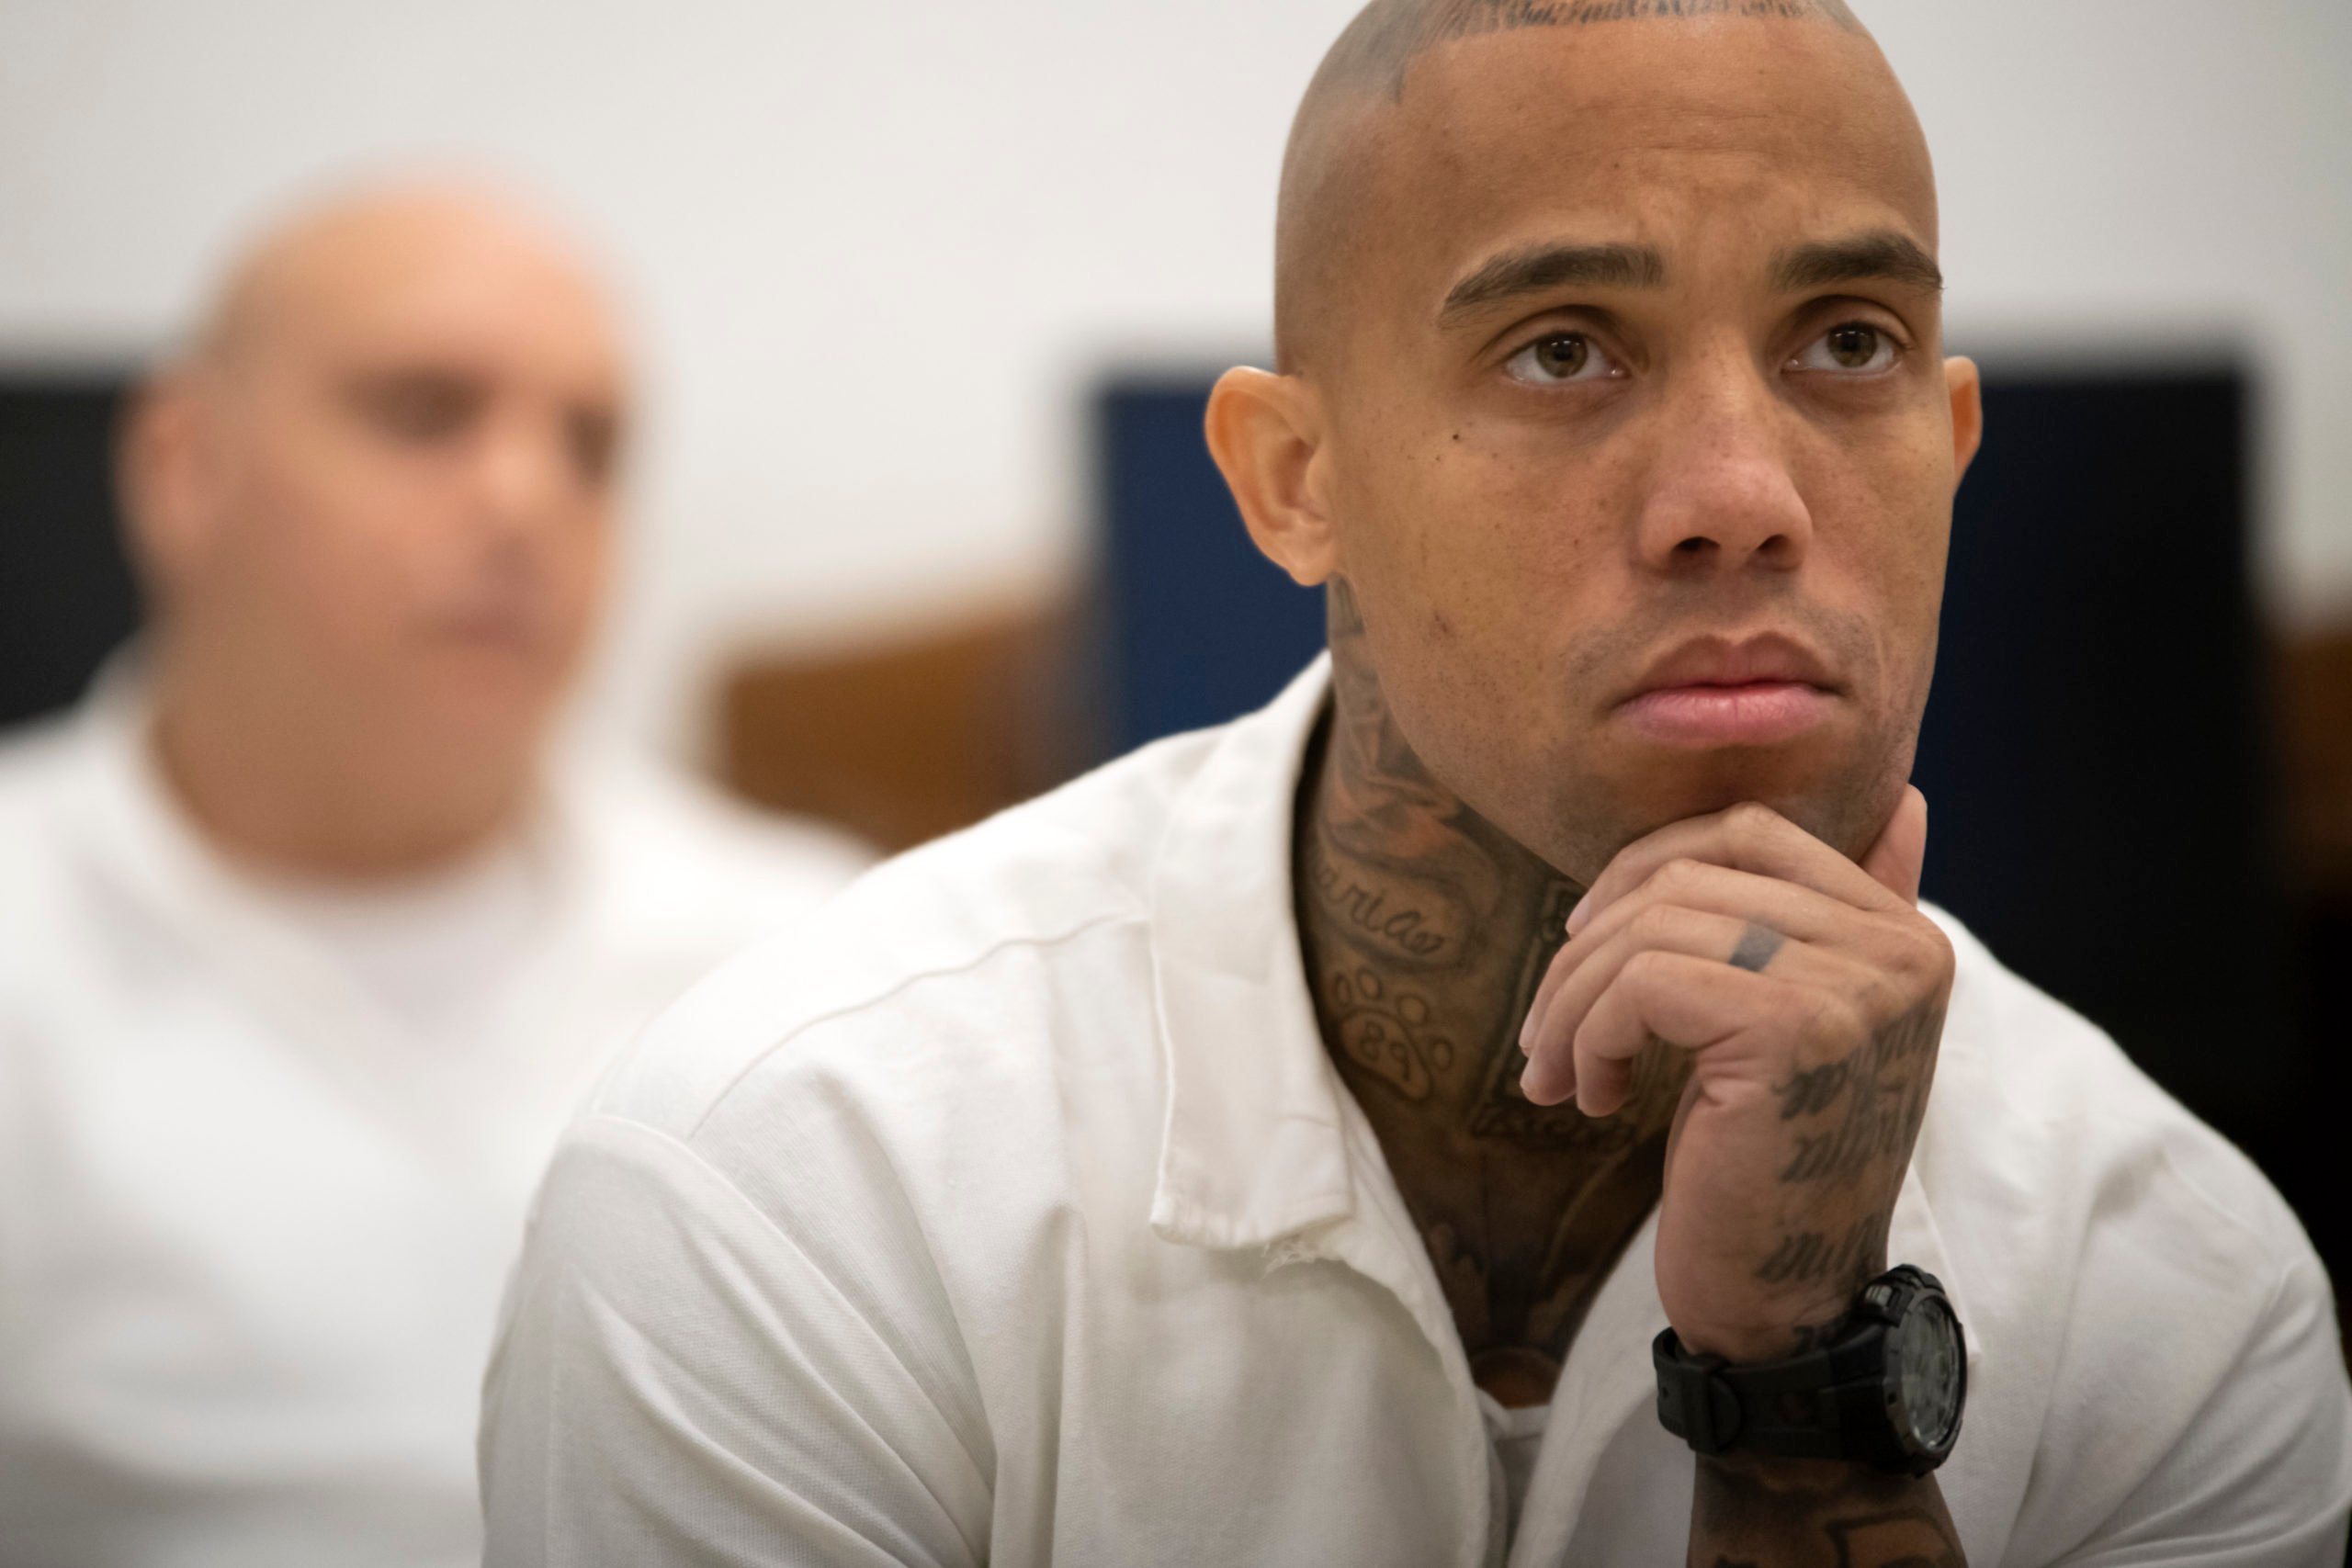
307 942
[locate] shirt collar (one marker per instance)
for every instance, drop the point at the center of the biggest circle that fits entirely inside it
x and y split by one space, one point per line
1253 1148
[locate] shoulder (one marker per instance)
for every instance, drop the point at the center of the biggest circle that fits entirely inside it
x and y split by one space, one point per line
945 963
43 771
35 758
658 825
670 876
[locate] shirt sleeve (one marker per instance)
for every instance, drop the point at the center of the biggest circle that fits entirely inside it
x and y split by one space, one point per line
685 1378
2263 1475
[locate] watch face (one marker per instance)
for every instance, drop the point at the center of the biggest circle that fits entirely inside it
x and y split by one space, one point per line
1929 1366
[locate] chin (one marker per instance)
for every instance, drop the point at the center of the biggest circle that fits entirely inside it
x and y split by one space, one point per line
1842 800
489 710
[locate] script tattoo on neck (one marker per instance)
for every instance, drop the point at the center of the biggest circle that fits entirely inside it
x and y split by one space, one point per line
1426 930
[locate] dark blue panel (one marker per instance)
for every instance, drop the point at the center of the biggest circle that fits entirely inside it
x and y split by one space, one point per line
1200 627
2096 748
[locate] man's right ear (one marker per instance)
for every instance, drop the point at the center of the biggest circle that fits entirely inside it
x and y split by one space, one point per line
1266 433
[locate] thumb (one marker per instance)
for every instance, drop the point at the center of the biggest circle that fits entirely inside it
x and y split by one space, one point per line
1893 862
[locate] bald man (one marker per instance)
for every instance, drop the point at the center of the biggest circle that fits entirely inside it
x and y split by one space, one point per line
306 942
1478 1109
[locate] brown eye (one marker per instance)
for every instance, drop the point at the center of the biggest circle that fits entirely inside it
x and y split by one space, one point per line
1563 356
1562 360
1853 346
1850 348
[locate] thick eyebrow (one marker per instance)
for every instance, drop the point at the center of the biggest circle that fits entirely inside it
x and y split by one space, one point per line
1883 255
1539 267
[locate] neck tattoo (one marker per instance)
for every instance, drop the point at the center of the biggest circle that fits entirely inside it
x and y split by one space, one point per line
1425 930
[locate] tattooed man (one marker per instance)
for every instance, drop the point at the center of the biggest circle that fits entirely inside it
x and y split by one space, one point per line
1504 1101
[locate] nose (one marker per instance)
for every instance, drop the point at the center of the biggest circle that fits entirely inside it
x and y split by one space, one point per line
1721 496
524 480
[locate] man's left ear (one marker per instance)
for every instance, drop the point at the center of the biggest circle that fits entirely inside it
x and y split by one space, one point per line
1967 388
1266 433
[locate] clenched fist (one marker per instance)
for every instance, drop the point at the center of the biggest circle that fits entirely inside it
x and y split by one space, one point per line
1810 993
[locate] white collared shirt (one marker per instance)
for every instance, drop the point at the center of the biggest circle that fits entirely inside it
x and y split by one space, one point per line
1018 1216
266 1149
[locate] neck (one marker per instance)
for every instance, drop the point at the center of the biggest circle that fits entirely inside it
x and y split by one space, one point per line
309 788
1426 930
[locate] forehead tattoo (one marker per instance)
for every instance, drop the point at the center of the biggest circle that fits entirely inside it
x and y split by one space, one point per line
1389 35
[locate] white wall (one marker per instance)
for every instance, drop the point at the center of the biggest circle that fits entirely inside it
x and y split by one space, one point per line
876 248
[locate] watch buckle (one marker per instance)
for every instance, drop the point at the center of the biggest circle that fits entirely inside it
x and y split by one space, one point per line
1692 1402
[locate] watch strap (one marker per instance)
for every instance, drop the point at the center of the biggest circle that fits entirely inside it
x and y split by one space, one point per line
1818 1404
1828 1402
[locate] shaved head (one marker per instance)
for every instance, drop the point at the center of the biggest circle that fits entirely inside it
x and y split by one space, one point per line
1328 171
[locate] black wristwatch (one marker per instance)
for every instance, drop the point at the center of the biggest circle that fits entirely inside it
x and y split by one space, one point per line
1884 1390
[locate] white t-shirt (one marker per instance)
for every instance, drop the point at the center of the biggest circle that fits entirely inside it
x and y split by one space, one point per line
1018 1216
430 950
266 1148
1518 1436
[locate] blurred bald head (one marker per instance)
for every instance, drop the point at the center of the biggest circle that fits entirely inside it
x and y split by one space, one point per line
1334 198
388 247
373 505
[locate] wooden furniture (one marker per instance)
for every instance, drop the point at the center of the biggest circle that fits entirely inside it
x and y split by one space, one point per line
2315 719
907 737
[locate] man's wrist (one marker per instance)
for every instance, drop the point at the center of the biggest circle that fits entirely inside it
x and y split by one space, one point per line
1769 1340
1772 1328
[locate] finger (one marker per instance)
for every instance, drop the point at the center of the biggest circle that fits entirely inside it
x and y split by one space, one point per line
1551 1069
1796 912
1670 926
1687 1001
1562 963
1893 862
1731 939
1748 837
1703 1006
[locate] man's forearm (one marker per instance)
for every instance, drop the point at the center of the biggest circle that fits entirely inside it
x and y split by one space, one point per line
1748 1512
